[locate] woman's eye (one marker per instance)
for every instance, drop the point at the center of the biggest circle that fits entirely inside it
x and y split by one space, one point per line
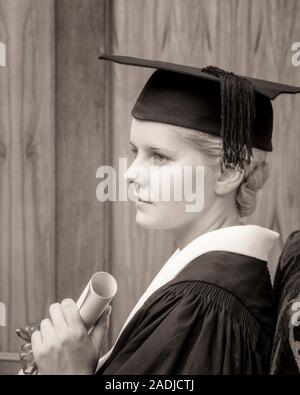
159 157
154 157
134 151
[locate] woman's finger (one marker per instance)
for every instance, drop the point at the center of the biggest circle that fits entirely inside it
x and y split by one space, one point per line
57 316
71 314
47 331
98 333
36 342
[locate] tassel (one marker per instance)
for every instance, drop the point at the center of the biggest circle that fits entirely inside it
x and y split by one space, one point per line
237 115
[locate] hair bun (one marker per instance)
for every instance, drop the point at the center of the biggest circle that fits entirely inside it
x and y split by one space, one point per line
253 182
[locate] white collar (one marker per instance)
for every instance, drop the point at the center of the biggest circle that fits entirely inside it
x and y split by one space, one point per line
250 240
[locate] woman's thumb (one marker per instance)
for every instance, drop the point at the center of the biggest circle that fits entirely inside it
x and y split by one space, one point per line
99 331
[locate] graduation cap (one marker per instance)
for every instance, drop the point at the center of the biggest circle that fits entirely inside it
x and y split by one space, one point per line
236 108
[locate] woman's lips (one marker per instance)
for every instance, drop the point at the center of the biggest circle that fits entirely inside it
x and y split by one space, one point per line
143 201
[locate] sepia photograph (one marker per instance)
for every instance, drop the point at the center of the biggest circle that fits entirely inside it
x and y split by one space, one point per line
149 190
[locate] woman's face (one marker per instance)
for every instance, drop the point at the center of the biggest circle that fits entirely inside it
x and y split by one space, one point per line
164 163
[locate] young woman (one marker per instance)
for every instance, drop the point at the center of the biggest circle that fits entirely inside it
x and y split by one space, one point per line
209 310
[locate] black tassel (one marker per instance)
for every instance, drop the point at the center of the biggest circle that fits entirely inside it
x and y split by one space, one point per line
238 113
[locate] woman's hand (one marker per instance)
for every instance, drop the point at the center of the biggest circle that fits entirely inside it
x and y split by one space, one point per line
63 345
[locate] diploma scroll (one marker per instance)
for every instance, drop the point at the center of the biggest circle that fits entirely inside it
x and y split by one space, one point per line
96 296
98 293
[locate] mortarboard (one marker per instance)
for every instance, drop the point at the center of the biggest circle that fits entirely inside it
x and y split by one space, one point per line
211 100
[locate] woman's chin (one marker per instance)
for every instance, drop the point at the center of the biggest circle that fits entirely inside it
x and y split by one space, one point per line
148 221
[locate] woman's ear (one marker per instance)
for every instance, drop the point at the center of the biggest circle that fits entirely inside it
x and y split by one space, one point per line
228 180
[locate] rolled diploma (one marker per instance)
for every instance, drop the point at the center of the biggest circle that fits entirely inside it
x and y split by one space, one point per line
98 293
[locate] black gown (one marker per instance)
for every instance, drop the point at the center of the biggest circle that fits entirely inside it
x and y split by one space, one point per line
215 317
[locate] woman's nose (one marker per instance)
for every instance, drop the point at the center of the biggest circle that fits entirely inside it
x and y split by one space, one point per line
130 175
136 173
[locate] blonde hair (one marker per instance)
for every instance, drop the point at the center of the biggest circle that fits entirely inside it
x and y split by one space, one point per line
255 176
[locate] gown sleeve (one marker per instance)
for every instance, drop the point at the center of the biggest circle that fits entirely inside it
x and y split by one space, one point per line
191 328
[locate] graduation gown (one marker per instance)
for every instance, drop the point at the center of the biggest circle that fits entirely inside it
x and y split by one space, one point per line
215 316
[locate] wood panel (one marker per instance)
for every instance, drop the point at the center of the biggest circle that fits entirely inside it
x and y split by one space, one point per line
27 176
251 37
9 363
82 143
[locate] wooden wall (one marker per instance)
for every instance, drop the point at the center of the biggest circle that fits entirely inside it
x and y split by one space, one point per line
82 143
54 234
64 114
27 163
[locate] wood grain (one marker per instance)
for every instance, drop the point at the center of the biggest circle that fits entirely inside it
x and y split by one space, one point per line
82 143
9 363
27 176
